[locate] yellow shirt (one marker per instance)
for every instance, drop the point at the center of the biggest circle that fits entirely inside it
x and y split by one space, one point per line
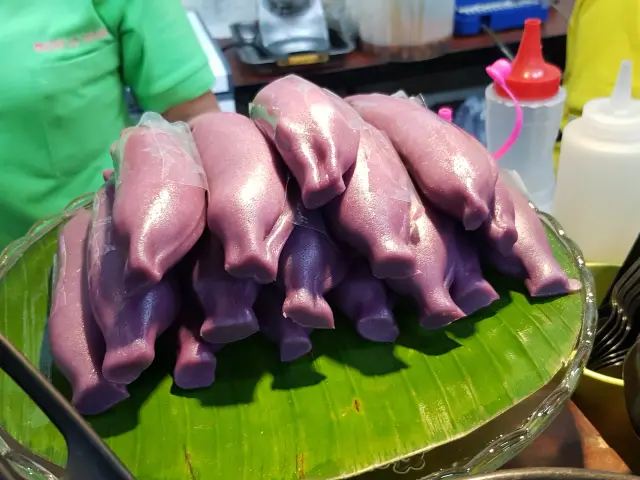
601 34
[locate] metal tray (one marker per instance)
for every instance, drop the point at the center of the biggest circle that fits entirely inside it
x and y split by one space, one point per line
253 53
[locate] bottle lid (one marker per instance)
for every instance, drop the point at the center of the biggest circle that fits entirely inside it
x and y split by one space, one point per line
620 112
531 77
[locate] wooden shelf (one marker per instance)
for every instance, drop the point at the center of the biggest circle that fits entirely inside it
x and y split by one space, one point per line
245 76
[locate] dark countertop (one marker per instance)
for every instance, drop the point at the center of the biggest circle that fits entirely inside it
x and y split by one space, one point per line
570 441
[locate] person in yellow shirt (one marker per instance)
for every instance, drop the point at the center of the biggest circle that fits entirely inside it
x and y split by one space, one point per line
601 34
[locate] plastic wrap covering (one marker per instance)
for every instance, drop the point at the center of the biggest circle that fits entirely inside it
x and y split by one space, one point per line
317 141
532 257
311 264
196 361
227 301
292 339
77 344
451 168
131 317
429 287
248 209
470 117
373 214
364 299
159 208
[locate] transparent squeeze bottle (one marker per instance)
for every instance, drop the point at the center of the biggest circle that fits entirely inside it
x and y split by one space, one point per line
536 85
598 189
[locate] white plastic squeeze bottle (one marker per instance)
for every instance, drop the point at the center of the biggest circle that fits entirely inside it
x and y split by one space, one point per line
598 190
536 85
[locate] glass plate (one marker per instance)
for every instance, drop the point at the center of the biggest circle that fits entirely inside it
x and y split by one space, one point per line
483 450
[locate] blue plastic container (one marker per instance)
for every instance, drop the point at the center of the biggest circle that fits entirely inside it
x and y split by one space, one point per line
496 14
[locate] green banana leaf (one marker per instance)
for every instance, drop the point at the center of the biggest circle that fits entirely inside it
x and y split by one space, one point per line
350 407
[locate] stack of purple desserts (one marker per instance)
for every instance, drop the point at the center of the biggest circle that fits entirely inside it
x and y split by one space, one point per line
231 226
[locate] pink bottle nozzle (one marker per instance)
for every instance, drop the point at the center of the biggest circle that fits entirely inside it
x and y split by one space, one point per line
499 71
446 113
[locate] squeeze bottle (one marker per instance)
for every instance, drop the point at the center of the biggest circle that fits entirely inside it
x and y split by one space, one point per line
598 191
536 85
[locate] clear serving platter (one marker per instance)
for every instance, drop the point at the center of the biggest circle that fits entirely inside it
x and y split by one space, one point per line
486 448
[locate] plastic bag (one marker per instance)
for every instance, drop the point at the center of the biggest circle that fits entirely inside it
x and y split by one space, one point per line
373 214
77 345
470 117
159 210
247 208
130 317
167 152
311 264
388 178
316 138
419 99
450 167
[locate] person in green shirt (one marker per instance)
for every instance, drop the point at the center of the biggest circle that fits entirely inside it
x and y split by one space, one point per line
65 64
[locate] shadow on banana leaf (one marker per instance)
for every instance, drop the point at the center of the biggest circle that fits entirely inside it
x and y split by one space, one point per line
241 366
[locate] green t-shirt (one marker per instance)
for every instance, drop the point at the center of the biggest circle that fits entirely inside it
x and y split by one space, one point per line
64 67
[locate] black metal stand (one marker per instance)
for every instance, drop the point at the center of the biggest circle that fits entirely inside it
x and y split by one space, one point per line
88 456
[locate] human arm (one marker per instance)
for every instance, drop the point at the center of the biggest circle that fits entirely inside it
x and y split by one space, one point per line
163 62
190 109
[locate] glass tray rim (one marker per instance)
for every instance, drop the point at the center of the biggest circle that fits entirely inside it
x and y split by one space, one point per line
502 448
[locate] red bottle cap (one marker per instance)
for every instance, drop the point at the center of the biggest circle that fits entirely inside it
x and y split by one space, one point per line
531 78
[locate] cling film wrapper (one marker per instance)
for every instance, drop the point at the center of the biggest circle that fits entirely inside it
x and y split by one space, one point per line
386 173
167 151
273 108
100 242
387 176
419 99
57 273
